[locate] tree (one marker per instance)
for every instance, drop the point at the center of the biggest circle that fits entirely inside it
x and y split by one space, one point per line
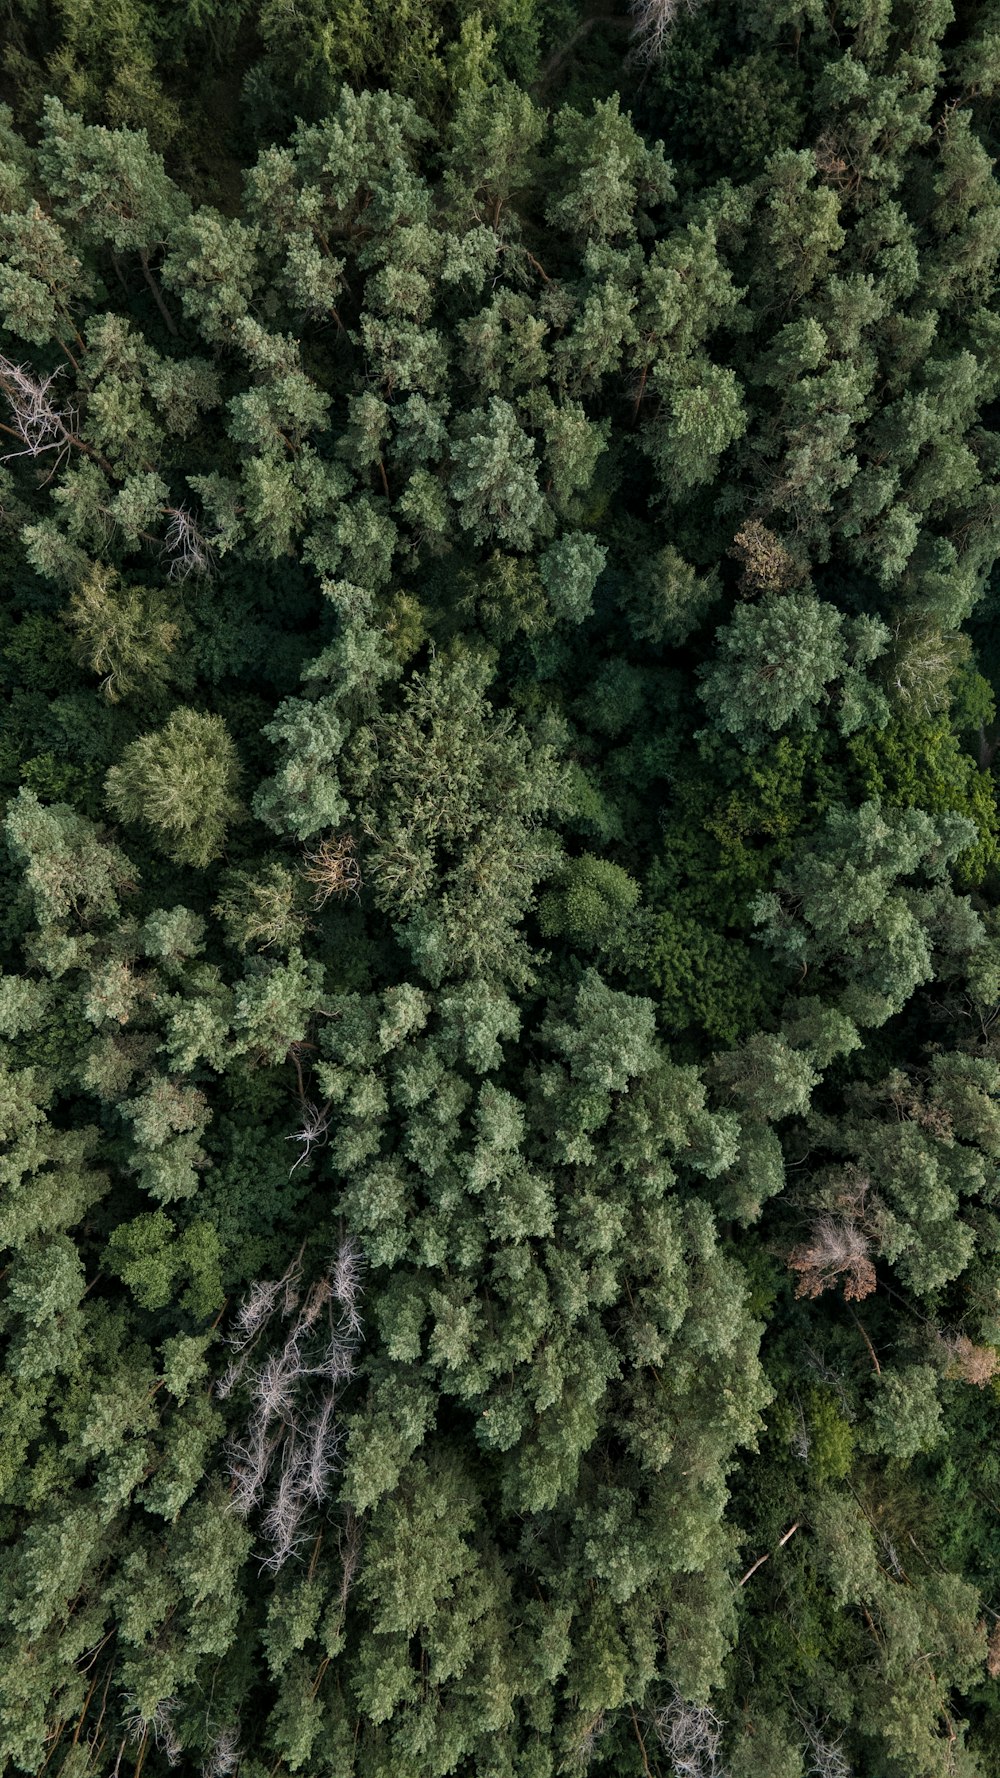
42 278
126 635
451 795
110 181
72 874
570 569
846 908
263 909
606 178
591 901
494 480
180 780
777 661
114 186
305 795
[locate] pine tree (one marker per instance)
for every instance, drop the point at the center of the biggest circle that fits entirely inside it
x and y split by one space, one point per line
180 780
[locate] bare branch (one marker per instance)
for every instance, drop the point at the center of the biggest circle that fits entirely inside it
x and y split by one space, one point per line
39 423
254 1311
273 1388
224 1756
291 1281
292 1428
160 1725
691 1735
968 1363
230 1377
826 1758
837 1252
333 869
324 1439
751 1571
652 21
283 1519
312 1131
187 546
346 1281
839 1247
248 1465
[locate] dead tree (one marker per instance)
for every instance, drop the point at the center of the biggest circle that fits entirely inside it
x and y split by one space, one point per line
283 1462
651 26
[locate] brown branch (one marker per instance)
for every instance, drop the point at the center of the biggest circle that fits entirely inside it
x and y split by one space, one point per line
540 269
317 1682
67 353
119 274
143 1750
86 1707
864 1336
642 391
752 1571
293 1051
642 1744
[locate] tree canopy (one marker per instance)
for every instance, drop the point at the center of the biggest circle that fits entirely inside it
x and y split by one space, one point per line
500 951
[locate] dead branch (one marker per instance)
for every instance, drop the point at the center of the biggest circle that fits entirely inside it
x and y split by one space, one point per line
871 1349
224 1755
652 21
766 1558
290 1450
39 423
312 1132
837 1252
691 1736
333 869
185 543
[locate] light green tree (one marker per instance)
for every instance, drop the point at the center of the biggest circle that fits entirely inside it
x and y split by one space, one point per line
181 782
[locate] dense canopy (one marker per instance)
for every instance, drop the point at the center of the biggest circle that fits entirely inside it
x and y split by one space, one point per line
500 933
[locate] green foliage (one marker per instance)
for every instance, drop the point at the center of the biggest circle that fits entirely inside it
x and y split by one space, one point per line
922 765
148 1258
70 871
125 635
180 780
844 906
450 795
777 660
592 902
499 1075
263 909
494 482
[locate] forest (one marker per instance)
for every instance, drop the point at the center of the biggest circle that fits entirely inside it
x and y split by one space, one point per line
500 913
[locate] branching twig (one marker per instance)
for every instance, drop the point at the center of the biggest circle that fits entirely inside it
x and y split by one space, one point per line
333 869
312 1131
292 1426
39 424
691 1735
651 27
186 544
